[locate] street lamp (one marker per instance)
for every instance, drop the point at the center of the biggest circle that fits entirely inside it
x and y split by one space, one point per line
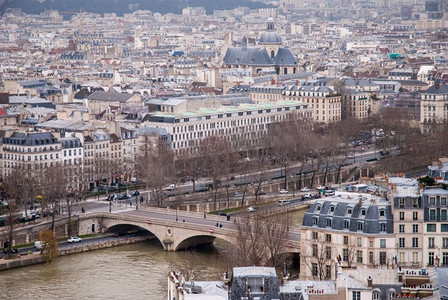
176 214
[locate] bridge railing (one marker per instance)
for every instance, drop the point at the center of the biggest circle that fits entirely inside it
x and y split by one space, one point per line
184 213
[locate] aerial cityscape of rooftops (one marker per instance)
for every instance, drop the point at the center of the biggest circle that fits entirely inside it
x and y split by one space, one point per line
208 124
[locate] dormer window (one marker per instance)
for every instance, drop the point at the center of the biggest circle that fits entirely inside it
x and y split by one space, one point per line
332 208
382 212
382 227
329 222
360 226
363 212
349 211
318 207
315 220
346 224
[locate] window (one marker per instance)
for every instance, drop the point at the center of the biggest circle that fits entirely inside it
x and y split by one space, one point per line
432 214
415 242
345 254
414 257
431 258
349 210
431 242
359 242
432 201
356 295
328 222
318 207
415 216
314 268
315 250
359 256
431 227
315 235
371 257
444 227
401 215
328 252
445 242
315 220
383 227
332 208
360 226
401 228
328 272
415 203
375 296
401 202
382 212
382 243
363 212
346 224
328 238
415 228
442 201
345 240
443 215
445 258
401 242
382 258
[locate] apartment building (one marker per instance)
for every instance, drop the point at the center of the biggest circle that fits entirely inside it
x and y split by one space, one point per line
354 228
40 149
355 104
408 225
434 105
242 126
435 231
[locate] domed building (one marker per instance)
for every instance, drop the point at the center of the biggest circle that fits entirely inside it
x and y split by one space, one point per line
269 53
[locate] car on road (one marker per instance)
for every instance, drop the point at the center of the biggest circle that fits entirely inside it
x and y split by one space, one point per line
13 250
305 189
259 193
251 209
220 213
308 195
171 187
135 193
284 191
74 239
123 197
112 197
238 194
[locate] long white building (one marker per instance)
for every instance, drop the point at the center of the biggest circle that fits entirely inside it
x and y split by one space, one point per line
242 126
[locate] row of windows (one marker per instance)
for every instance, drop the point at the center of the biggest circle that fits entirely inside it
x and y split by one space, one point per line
432 227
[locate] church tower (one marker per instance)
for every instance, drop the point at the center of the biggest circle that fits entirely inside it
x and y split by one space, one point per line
270 39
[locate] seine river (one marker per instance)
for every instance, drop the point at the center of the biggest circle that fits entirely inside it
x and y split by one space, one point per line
135 271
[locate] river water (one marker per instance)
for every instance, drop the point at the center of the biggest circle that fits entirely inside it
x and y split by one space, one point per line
136 271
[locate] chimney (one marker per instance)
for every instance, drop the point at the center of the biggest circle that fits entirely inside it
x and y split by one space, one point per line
369 281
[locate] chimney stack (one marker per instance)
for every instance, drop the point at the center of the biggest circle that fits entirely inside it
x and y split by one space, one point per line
369 281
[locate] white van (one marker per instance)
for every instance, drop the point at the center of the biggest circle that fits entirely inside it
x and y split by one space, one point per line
283 202
39 245
171 187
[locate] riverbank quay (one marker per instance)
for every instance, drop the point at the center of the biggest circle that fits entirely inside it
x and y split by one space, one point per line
29 259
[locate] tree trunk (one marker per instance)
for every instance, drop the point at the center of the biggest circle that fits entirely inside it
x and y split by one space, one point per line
69 211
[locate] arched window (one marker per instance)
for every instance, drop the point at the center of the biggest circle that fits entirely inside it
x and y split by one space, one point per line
272 53
285 71
375 295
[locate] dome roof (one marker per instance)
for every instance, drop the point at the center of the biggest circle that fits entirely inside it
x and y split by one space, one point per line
270 37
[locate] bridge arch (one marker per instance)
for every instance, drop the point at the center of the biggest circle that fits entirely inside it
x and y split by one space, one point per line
131 229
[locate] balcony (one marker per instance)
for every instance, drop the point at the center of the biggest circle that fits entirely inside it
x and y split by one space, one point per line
414 277
420 291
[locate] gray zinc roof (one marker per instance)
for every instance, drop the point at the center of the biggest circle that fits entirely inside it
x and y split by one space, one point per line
109 96
247 56
284 57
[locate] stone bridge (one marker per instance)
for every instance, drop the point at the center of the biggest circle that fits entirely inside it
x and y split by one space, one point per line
173 236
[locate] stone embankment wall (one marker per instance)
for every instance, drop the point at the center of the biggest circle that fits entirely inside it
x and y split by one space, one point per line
33 259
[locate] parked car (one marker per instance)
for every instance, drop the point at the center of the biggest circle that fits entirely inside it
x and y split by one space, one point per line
39 245
13 250
123 197
74 239
238 194
112 197
135 193
308 195
260 192
305 189
284 191
220 213
252 209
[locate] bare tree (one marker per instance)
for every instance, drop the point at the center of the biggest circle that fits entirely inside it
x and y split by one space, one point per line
320 260
49 245
156 168
54 189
